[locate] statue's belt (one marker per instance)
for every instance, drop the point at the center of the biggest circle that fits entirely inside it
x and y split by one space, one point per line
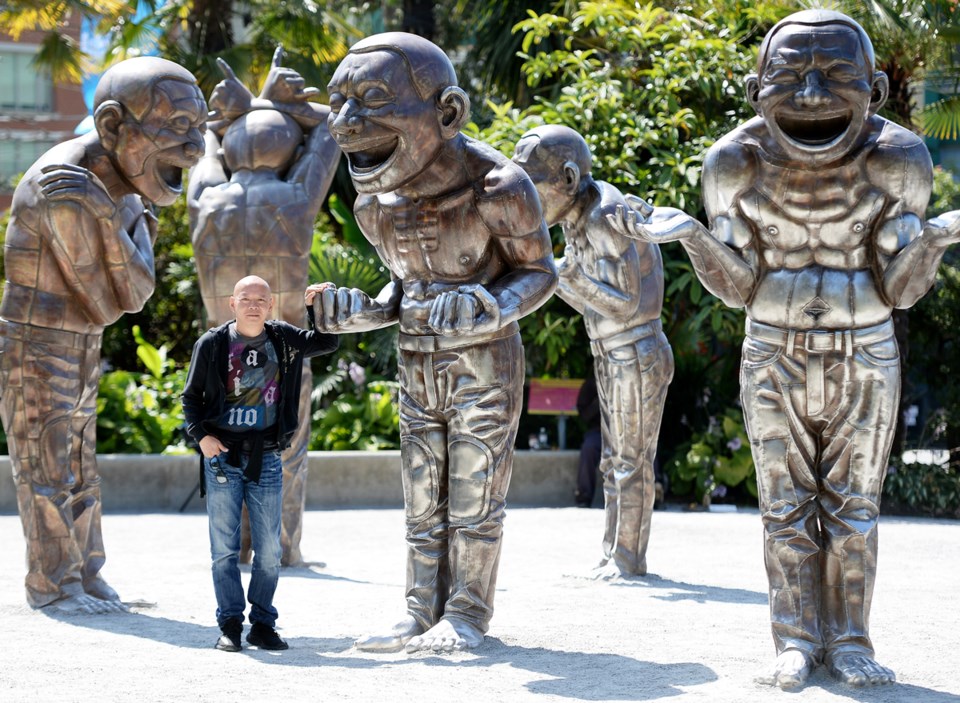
817 343
599 347
427 343
48 335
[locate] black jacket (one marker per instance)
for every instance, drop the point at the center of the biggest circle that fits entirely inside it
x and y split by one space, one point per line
205 390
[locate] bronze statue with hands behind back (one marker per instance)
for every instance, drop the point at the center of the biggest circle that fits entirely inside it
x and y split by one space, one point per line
253 199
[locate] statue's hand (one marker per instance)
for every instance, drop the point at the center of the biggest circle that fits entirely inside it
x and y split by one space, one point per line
230 99
284 85
77 184
334 307
664 224
469 309
943 229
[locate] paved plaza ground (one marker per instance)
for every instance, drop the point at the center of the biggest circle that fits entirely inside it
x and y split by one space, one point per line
695 629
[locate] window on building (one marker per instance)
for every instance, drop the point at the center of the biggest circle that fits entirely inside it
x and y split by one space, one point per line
22 87
16 156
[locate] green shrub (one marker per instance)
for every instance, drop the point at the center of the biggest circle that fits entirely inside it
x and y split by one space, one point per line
140 413
716 463
922 489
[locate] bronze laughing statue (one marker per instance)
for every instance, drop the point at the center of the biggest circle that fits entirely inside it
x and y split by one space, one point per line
460 228
816 228
616 283
78 254
253 198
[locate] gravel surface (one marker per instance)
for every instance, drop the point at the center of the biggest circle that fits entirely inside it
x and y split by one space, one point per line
695 629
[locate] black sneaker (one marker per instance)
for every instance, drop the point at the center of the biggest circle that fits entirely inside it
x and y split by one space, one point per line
230 639
265 637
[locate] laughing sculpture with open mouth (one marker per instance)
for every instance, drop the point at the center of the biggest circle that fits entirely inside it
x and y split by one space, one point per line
79 254
816 228
461 230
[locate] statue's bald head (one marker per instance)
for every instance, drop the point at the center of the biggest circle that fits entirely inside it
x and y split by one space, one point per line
817 19
132 83
555 145
431 70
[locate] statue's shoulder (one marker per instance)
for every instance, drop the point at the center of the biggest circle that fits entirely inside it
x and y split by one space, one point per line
506 197
738 147
28 196
887 135
609 198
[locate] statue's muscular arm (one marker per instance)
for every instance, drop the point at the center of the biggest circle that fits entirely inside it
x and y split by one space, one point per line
908 250
339 310
614 288
316 166
104 249
724 256
510 207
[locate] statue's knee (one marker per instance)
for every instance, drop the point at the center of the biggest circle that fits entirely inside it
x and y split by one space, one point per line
420 478
471 469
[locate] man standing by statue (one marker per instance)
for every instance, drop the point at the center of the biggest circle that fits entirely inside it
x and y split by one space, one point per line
252 200
460 228
816 228
78 254
616 283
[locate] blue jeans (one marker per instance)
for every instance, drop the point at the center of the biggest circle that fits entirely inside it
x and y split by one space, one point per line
224 504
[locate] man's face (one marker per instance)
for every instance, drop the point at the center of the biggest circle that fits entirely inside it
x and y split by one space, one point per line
548 177
815 91
251 304
152 153
388 132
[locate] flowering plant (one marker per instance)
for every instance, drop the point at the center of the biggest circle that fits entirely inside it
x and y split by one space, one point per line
714 461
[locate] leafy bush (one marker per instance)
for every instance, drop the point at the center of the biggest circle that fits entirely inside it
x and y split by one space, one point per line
715 464
140 413
922 489
364 415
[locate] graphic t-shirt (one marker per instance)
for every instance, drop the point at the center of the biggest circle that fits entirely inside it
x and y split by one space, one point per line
253 383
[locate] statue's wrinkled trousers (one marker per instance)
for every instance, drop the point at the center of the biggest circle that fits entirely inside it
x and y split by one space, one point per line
632 383
49 381
459 411
820 410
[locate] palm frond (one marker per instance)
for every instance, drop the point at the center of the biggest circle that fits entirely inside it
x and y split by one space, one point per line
941 119
60 56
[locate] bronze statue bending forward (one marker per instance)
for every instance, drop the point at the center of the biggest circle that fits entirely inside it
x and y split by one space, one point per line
78 254
253 199
460 228
816 228
616 283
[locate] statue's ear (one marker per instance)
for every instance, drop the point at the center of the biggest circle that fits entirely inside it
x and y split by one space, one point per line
454 108
108 118
571 177
752 84
881 89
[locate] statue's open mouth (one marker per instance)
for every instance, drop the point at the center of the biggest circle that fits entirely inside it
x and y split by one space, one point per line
171 175
372 158
815 129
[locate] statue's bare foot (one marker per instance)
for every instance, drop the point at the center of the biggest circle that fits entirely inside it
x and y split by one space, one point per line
85 604
98 588
446 636
858 669
609 570
395 641
791 670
